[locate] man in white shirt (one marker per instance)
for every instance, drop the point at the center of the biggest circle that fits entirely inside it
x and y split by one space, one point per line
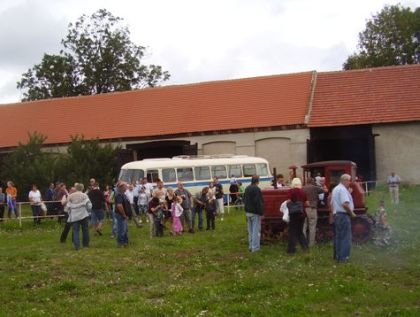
393 182
343 210
35 200
318 179
129 193
148 186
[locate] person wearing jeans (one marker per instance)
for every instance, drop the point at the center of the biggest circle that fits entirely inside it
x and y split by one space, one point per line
11 194
122 229
77 206
122 213
254 208
114 223
84 223
342 224
254 231
343 209
199 203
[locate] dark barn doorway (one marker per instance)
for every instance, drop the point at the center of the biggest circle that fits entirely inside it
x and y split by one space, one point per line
160 149
354 143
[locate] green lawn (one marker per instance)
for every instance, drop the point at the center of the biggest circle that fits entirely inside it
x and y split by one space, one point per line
209 273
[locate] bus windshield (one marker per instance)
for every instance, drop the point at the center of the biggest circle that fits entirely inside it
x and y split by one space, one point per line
131 175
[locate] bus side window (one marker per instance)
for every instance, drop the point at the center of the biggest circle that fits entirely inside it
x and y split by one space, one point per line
185 174
152 176
168 175
235 171
262 169
219 171
202 173
249 170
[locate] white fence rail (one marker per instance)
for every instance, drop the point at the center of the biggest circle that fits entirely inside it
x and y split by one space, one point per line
366 186
18 212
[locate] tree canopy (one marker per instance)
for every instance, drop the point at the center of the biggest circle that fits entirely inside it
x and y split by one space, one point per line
97 57
391 37
29 164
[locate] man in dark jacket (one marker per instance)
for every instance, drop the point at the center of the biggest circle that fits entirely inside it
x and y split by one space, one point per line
97 198
254 208
122 213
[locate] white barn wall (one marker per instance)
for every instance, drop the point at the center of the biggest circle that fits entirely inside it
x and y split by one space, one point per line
397 149
276 150
218 147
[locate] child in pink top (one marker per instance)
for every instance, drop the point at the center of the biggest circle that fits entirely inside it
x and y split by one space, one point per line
176 214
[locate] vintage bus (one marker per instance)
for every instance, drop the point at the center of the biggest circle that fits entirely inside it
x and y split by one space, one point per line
196 172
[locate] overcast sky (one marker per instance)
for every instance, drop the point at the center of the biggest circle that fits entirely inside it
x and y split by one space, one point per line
196 40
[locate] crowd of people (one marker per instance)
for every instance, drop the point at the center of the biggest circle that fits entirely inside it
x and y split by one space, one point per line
163 209
176 210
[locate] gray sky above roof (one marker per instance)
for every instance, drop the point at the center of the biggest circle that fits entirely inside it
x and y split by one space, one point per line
196 40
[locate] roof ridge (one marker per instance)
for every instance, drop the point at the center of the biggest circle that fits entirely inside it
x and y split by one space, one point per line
370 69
311 97
113 93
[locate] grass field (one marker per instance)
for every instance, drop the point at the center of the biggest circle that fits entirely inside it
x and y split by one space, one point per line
209 273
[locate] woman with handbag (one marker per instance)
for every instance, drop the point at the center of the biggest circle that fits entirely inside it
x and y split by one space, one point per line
296 203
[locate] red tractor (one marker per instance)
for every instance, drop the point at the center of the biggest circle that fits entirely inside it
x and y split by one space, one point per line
273 225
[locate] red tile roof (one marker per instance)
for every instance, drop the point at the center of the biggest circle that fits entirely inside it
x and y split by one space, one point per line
212 106
376 95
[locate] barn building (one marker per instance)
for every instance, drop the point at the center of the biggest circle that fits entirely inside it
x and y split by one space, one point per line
370 116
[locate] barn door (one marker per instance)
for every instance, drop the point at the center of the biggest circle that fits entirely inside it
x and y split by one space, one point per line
310 151
190 149
124 156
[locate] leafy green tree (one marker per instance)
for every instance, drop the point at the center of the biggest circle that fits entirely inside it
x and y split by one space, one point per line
28 165
97 57
89 158
391 37
55 76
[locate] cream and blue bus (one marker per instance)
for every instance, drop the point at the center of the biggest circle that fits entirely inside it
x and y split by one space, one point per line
198 171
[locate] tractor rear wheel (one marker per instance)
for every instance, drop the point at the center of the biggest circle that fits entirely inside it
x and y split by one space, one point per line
361 228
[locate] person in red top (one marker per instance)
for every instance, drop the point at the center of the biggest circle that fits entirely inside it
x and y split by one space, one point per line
296 203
